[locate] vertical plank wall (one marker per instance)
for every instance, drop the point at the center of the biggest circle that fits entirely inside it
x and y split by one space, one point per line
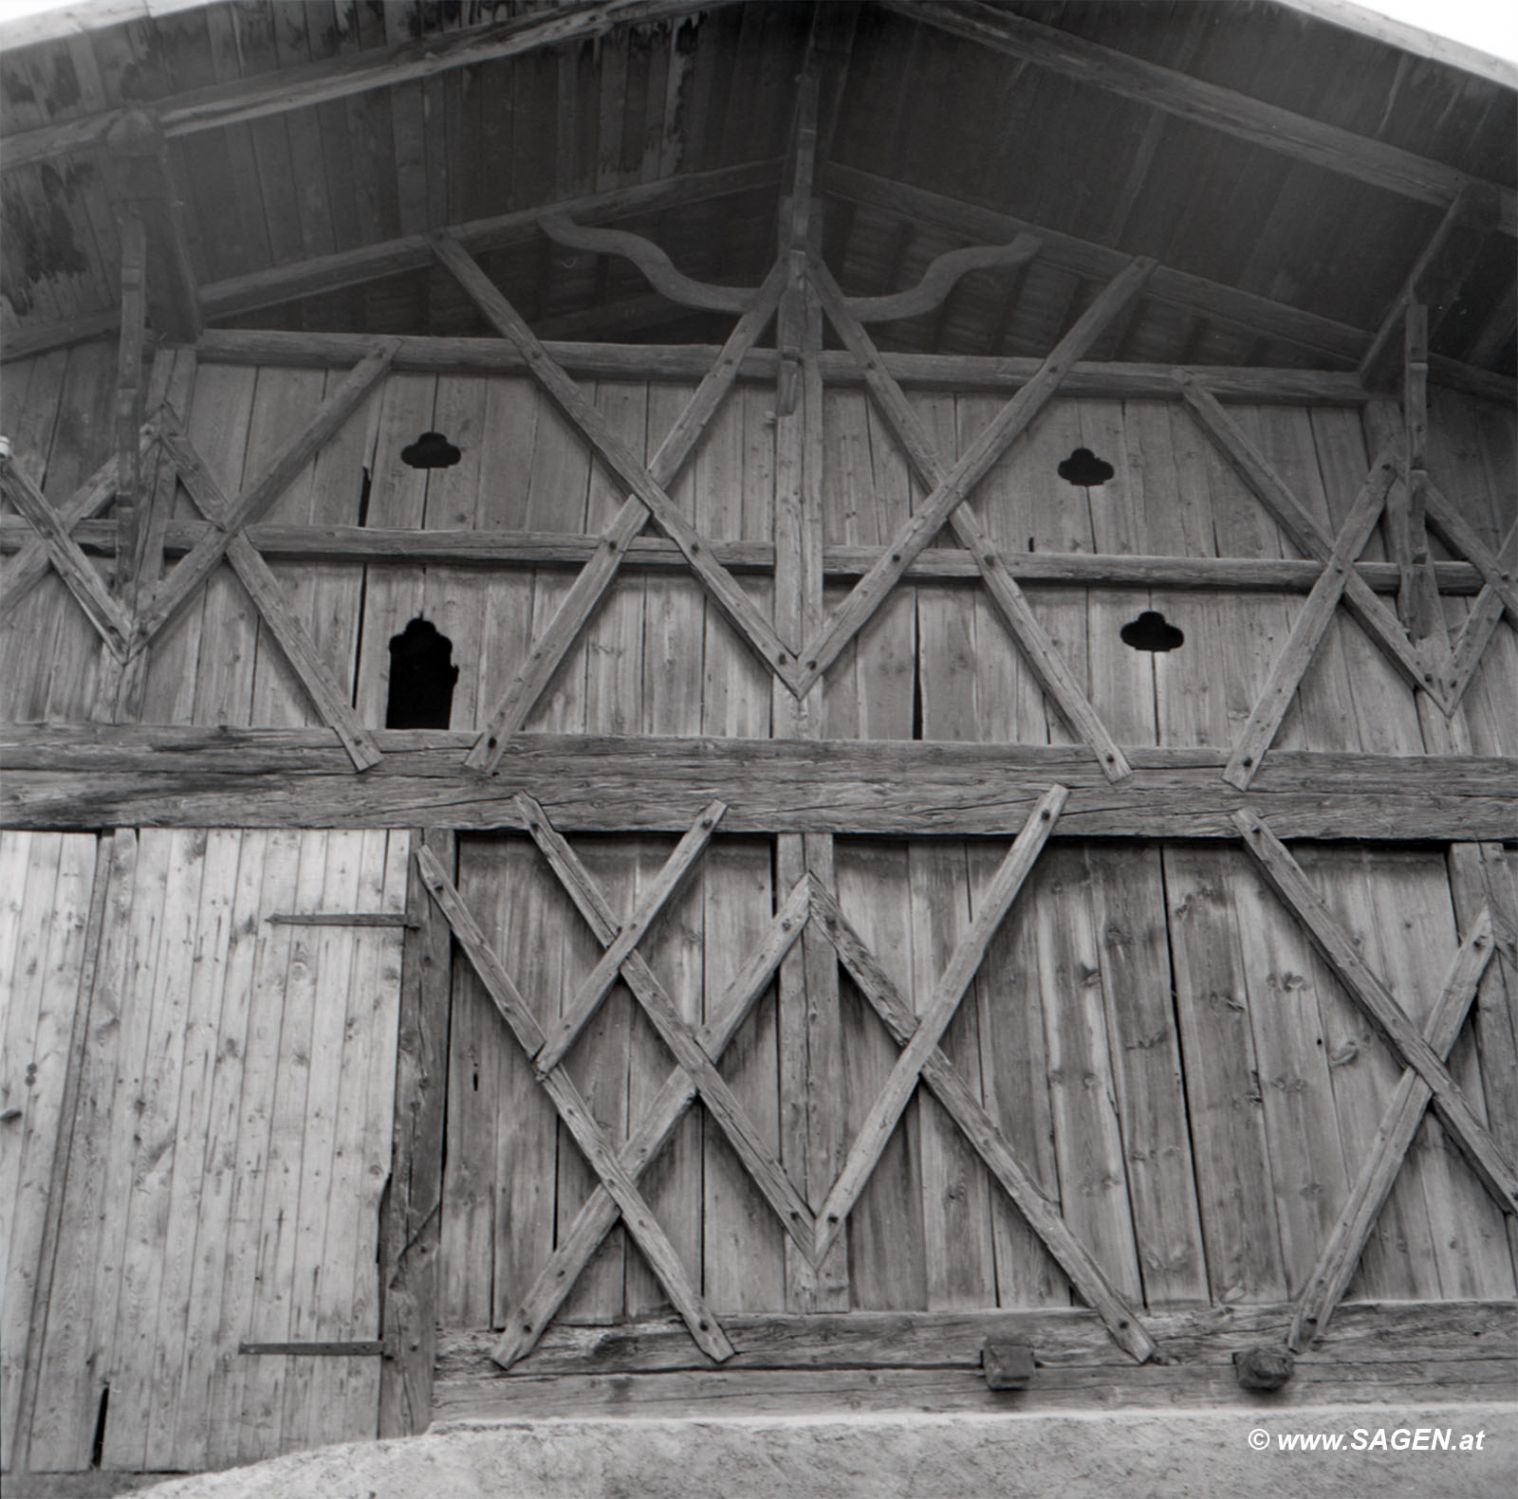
935 663
228 1152
46 884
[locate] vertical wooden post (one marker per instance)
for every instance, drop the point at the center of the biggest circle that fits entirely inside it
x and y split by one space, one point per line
810 1029
134 310
411 1212
1418 598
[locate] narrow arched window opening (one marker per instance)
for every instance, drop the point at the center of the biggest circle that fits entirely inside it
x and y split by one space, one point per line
422 678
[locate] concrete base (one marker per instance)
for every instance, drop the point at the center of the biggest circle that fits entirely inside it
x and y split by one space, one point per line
1179 1454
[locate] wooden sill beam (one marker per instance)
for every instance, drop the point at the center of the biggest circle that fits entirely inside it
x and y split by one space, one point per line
1193 294
343 76
1253 120
84 776
362 545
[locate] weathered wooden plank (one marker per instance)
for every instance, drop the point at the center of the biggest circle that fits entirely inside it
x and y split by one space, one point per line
410 1231
436 355
1225 1110
89 776
486 547
1286 877
1364 1332
129 403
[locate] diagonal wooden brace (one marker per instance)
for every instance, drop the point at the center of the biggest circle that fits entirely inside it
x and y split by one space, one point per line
1285 876
87 586
1341 1254
593 580
944 1004
1309 627
202 559
724 589
621 940
269 599
1308 535
677 1033
1480 624
572 1108
1053 672
600 1210
951 1090
856 611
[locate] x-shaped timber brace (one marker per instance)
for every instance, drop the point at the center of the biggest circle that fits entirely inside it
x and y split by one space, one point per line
698 1050
128 632
1425 1078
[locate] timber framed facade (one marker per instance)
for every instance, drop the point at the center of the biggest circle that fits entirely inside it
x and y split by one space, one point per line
979 802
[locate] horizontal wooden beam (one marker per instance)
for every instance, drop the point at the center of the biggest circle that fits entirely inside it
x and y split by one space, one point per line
404 547
603 360
1194 294
342 76
953 1340
1398 1352
1267 125
94 776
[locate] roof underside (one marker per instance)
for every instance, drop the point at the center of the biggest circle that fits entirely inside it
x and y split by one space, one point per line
912 103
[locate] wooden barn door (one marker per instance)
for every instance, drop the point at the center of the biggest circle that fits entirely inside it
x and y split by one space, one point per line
220 1177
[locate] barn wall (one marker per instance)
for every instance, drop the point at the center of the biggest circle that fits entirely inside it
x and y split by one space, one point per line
936 663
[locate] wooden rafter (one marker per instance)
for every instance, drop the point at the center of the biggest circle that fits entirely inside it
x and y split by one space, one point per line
1285 876
604 1159
314 276
845 621
347 74
1048 665
1197 295
1399 1123
1435 278
1268 125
